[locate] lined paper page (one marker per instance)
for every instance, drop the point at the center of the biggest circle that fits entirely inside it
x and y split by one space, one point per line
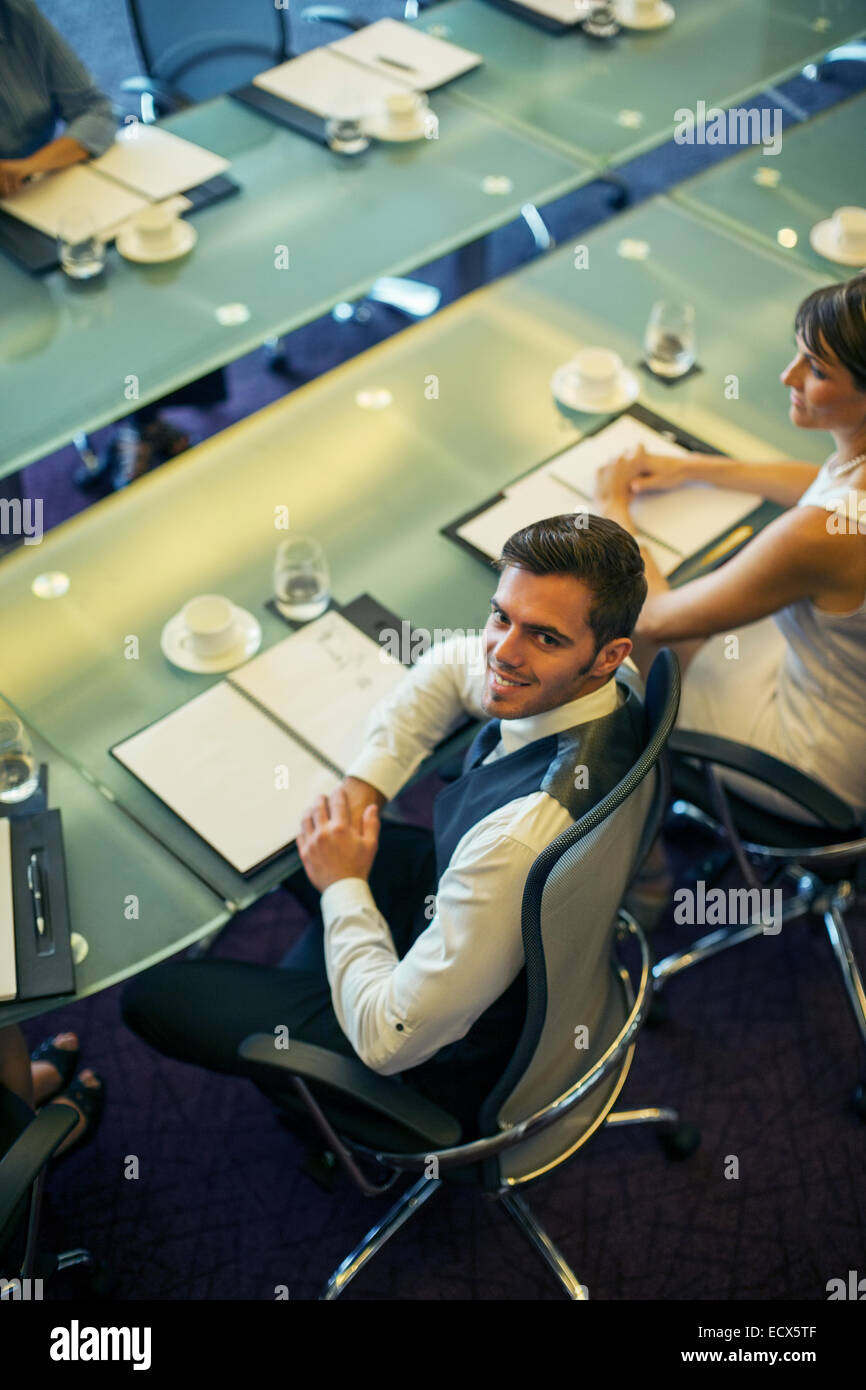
323 682
217 763
157 164
43 203
534 498
684 518
8 973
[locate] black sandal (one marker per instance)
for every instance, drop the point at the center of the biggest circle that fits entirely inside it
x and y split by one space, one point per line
64 1060
90 1101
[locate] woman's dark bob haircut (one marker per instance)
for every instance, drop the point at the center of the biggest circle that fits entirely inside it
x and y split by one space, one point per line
833 320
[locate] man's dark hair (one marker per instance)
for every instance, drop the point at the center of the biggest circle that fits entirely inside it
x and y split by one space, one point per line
596 551
835 317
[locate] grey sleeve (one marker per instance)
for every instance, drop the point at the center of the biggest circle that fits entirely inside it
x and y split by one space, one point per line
86 110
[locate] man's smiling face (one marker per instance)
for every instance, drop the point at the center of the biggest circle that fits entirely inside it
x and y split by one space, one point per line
540 650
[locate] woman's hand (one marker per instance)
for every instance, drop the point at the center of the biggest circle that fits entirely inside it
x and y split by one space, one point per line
652 472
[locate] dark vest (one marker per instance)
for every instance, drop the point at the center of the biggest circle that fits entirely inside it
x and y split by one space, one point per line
606 747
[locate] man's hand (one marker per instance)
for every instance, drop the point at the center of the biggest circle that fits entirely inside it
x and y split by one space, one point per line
361 795
13 173
333 845
613 482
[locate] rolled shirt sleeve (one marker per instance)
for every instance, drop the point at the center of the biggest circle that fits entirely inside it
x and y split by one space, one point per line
399 1013
85 109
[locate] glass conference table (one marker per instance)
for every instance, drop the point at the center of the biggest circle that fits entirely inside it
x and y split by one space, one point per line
777 200
67 351
375 485
612 100
108 859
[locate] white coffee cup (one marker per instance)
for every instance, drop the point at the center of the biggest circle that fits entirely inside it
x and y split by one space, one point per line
156 227
211 624
849 231
595 373
404 108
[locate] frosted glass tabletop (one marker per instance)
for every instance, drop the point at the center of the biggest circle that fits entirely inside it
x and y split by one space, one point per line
777 200
373 459
132 902
612 99
309 229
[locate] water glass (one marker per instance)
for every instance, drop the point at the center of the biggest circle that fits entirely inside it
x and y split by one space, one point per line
19 771
82 252
345 135
669 341
302 581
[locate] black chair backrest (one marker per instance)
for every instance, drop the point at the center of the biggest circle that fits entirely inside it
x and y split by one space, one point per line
570 903
202 48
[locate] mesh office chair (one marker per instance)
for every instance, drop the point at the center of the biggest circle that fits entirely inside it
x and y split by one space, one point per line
826 861
552 1095
27 1143
202 48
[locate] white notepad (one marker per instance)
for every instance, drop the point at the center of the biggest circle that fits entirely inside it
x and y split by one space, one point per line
242 762
563 11
322 682
538 495
80 188
8 973
399 50
330 86
157 164
684 519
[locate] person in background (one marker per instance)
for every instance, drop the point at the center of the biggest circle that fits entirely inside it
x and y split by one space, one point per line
795 596
43 84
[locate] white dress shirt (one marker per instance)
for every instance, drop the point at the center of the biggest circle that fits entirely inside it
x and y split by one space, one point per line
399 1013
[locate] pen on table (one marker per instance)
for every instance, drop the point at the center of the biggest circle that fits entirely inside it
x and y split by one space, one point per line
737 536
34 883
394 63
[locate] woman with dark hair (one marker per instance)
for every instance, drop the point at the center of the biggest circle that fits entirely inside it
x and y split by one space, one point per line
775 640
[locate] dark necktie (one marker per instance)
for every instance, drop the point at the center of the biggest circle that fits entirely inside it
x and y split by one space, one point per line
483 743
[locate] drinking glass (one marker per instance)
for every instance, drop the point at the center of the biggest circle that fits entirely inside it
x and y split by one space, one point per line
669 341
302 582
82 252
19 772
345 135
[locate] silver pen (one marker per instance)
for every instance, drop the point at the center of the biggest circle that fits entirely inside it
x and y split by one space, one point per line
34 883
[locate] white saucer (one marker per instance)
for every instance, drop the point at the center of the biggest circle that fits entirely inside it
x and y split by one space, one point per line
665 14
382 129
130 245
822 240
176 646
563 389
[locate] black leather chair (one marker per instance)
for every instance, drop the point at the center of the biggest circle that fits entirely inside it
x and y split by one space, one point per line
27 1143
826 861
552 1096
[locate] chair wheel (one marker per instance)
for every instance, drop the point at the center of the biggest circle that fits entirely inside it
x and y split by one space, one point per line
681 1142
860 1101
659 1011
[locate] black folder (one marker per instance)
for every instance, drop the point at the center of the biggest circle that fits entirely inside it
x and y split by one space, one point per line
43 962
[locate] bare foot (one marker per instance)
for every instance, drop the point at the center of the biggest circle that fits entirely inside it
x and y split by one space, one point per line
92 1083
46 1078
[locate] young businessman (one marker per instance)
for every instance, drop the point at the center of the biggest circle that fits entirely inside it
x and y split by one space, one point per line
416 964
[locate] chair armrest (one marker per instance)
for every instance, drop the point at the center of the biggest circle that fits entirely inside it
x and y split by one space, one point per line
349 1077
21 1165
739 757
165 97
333 14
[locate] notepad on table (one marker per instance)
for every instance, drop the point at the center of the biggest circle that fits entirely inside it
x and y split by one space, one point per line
673 525
155 163
330 86
241 762
400 50
44 202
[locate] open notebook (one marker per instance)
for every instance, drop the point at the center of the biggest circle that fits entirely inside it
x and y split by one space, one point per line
241 762
673 525
144 164
354 76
